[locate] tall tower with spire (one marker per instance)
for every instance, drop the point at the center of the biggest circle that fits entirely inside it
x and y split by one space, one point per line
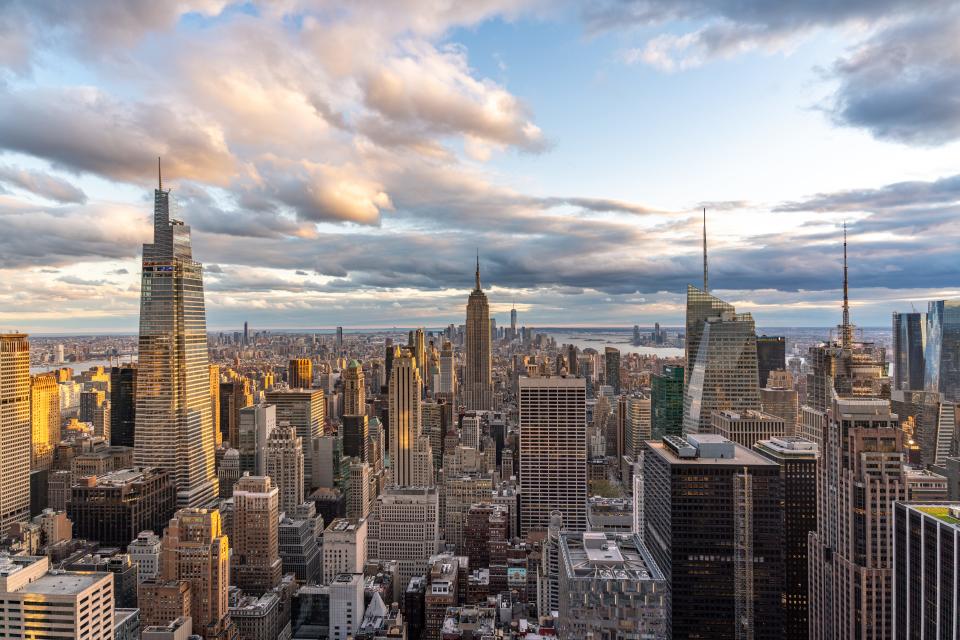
174 421
477 377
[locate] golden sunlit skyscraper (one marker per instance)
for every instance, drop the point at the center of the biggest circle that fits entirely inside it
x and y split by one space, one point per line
409 449
14 429
174 425
477 378
300 373
44 419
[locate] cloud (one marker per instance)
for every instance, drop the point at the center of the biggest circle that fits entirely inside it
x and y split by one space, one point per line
903 84
42 184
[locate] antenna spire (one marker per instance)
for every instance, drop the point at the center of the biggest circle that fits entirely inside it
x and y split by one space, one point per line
846 331
705 281
159 175
478 269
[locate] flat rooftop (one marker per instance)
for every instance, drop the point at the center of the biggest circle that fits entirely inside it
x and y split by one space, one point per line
607 556
946 513
742 456
64 583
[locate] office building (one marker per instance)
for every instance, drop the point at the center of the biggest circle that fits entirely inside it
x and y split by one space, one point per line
797 459
926 544
611 358
610 587
942 365
144 552
747 427
700 307
344 547
346 605
261 617
782 403
173 423
95 409
114 508
41 603
358 494
477 372
909 344
410 451
235 394
724 371
305 409
257 422
195 549
255 541
442 593
354 390
859 476
44 420
163 602
553 452
356 436
123 404
405 526
283 462
300 373
666 402
214 370
14 430
637 424
713 520
448 370
771 356
299 552
459 492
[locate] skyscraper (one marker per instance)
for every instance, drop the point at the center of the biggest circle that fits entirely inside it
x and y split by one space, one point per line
14 429
666 402
724 372
44 419
305 409
300 373
123 404
173 420
553 452
448 370
256 424
255 541
284 465
354 390
909 343
513 322
477 376
859 477
771 356
942 357
408 445
612 363
195 549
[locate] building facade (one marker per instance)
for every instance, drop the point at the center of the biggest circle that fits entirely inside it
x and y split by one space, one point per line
477 372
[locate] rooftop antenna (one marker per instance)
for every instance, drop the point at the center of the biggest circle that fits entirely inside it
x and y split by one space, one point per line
846 331
705 282
159 176
478 269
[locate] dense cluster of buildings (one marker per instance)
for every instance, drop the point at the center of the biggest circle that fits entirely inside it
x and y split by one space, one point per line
479 482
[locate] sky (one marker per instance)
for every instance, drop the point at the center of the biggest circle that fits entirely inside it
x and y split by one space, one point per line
342 163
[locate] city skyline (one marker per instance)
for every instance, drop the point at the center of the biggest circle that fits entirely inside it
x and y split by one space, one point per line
574 143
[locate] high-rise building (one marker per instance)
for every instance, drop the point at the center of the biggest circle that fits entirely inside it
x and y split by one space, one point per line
747 427
113 508
173 422
909 343
300 373
14 429
234 395
95 409
553 452
257 422
926 544
797 459
419 348
783 403
344 547
771 356
610 587
860 475
477 373
346 605
713 519
215 403
448 370
611 357
700 306
305 409
354 390
284 465
44 420
405 526
358 495
724 372
942 372
123 404
637 424
666 402
513 322
339 341
195 550
255 541
144 552
409 448
40 603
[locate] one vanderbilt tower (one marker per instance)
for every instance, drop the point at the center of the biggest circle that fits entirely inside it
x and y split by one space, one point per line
174 423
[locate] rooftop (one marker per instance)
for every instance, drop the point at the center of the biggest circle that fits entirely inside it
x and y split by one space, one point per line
705 449
63 583
946 513
607 556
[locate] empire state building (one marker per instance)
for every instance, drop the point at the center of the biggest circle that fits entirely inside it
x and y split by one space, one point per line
477 380
174 423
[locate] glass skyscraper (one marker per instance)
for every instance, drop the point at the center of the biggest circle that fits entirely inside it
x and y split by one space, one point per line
666 398
700 306
942 373
909 342
174 422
